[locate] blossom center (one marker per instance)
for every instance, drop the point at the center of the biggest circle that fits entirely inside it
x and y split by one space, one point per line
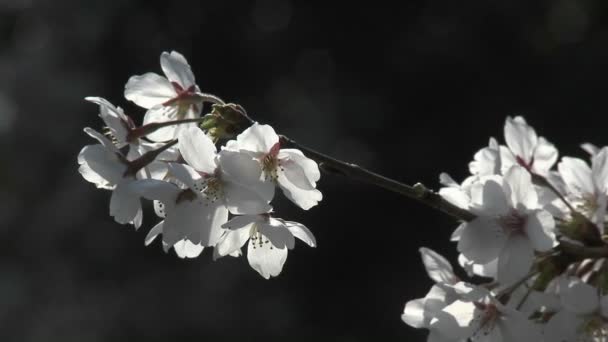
258 240
271 163
488 317
513 222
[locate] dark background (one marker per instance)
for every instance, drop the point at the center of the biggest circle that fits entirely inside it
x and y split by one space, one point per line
408 89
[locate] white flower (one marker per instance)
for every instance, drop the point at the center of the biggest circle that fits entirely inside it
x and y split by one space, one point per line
269 239
487 160
209 177
171 98
295 174
189 213
587 188
583 316
105 166
118 124
478 316
509 225
526 149
418 313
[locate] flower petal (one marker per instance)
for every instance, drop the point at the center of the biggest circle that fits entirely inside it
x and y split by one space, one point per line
545 156
232 241
198 150
267 260
578 297
577 175
540 229
520 137
162 113
149 90
177 69
304 198
125 205
481 240
153 233
257 138
515 260
301 232
186 249
437 267
600 169
522 192
308 166
277 233
242 200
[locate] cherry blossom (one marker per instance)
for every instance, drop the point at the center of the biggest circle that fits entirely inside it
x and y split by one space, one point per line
269 239
583 316
106 167
480 317
289 169
525 148
587 188
509 226
167 98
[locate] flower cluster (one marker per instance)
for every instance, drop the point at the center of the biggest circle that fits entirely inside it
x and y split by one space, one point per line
205 195
534 246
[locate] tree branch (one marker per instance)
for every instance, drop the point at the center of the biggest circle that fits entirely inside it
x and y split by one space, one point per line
419 193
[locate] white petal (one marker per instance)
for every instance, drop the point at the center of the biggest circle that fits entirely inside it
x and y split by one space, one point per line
456 196
458 320
114 118
267 260
153 233
186 249
590 148
177 69
153 189
489 198
149 90
521 138
162 113
564 326
232 241
600 170
414 315
242 221
308 166
545 156
96 168
195 220
125 205
578 297
515 260
105 142
198 150
577 175
437 267
481 240
242 200
187 175
522 192
257 138
277 233
304 198
540 229
301 232
242 168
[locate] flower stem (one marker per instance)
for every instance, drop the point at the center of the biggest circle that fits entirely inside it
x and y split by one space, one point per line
146 129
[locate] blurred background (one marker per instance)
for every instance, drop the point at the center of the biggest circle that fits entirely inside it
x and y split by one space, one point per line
408 89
